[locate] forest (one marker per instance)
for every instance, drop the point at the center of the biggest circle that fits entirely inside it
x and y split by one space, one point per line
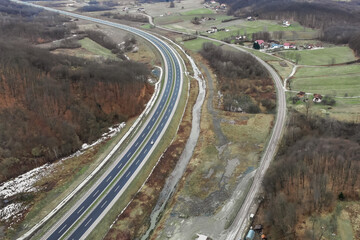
318 162
339 21
243 81
51 104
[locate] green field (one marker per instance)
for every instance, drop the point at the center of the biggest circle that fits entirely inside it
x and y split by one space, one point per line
249 27
196 44
263 56
95 48
198 12
344 85
304 72
337 80
147 26
324 56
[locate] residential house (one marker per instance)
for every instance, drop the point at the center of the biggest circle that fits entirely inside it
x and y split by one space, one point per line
212 30
260 42
286 23
250 18
289 46
275 46
317 98
300 94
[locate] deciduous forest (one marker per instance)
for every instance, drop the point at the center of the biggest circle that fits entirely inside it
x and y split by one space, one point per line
318 161
243 81
51 104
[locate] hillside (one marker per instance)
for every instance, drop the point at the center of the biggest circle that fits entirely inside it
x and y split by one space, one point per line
339 21
51 104
317 165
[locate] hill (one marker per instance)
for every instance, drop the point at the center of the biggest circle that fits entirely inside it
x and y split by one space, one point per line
51 104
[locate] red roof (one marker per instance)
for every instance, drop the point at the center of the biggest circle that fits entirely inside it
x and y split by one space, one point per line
286 44
260 41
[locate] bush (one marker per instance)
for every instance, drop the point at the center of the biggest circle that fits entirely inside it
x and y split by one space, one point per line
328 100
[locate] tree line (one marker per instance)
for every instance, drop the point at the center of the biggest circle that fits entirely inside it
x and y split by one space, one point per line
244 82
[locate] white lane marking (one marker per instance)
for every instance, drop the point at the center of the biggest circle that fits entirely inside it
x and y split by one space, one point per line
117 188
148 127
80 209
143 135
145 150
128 174
162 124
62 228
137 162
108 179
119 165
129 154
95 193
103 204
153 119
88 222
136 144
157 132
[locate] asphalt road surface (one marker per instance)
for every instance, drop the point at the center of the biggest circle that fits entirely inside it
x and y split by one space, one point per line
81 219
240 224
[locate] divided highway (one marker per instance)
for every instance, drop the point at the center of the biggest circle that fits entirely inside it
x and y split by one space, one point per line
81 219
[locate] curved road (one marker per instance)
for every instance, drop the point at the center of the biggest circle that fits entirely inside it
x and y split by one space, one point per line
240 224
81 219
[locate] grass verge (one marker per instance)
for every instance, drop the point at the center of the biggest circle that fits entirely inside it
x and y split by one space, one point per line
103 227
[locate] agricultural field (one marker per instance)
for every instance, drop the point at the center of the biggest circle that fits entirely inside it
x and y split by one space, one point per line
200 11
340 81
325 56
244 27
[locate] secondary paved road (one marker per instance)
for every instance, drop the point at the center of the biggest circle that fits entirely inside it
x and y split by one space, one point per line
240 224
84 216
238 229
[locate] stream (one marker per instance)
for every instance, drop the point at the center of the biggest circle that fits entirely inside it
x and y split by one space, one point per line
186 155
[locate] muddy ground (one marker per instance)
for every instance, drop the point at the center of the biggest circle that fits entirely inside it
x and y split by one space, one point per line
219 173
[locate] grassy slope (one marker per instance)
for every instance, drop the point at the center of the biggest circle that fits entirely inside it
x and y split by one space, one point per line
345 85
250 27
196 44
95 48
198 12
335 80
327 71
321 56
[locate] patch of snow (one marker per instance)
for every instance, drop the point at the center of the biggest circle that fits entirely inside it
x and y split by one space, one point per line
25 182
11 211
